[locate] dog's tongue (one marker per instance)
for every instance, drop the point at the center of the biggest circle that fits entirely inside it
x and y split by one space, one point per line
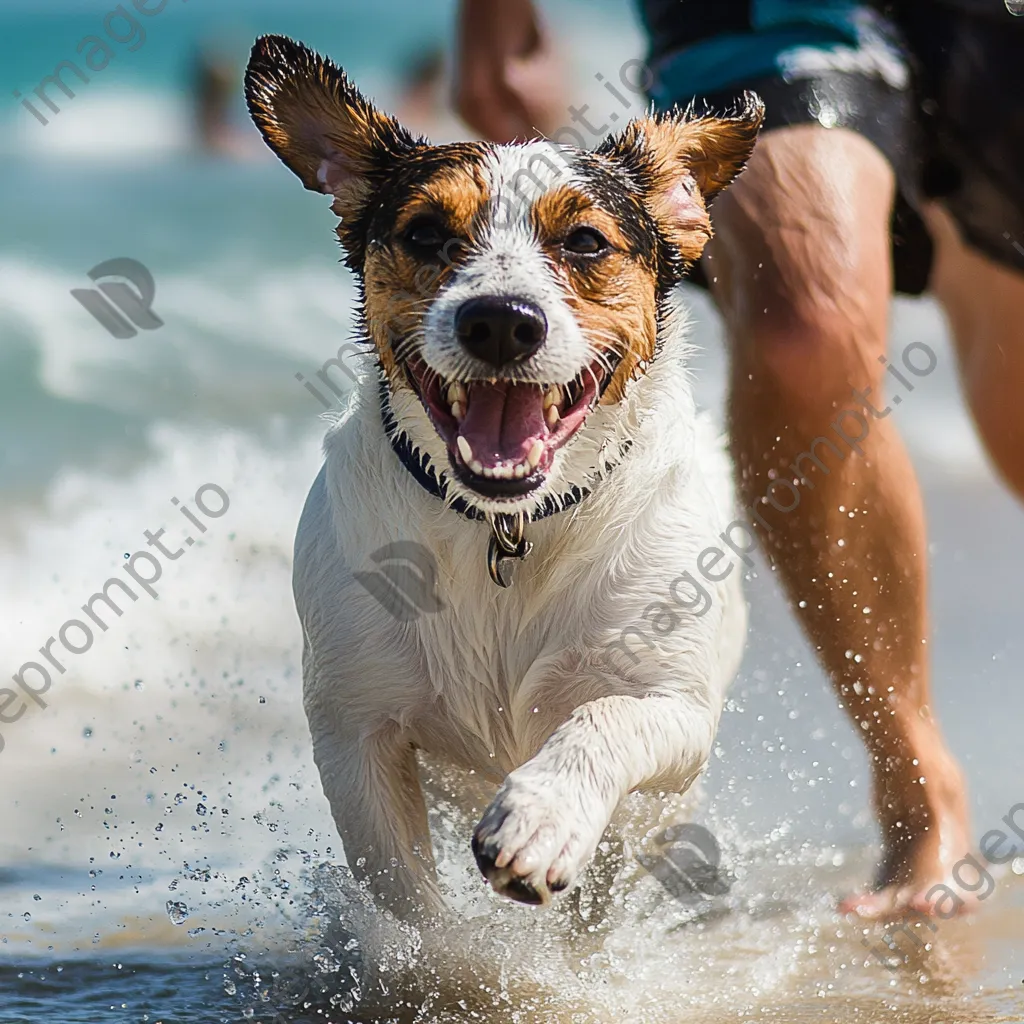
502 420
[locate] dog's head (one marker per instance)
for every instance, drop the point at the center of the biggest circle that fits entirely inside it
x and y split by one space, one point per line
513 293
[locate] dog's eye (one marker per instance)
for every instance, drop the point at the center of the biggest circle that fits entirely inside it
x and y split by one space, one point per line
426 233
585 241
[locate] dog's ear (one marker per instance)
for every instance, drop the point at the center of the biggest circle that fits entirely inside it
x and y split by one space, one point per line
319 124
683 162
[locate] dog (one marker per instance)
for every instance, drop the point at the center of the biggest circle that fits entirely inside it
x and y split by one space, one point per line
523 410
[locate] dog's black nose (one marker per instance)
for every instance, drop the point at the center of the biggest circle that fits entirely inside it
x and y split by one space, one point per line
499 330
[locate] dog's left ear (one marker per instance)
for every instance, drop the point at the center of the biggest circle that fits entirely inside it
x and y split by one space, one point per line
319 124
682 163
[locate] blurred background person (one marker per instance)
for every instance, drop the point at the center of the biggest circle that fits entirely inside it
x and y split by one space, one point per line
216 80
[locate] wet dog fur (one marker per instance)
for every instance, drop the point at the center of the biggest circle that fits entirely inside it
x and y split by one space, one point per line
523 343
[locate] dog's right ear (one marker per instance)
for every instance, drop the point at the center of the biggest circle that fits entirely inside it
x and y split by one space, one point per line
319 124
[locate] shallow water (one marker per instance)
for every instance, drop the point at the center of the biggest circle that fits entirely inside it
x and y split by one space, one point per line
165 850
753 955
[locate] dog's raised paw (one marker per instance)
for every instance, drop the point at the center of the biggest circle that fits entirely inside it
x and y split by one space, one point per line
531 842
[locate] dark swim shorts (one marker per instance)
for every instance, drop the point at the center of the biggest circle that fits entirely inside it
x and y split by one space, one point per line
936 85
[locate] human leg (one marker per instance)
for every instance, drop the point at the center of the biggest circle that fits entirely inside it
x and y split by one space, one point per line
800 267
984 301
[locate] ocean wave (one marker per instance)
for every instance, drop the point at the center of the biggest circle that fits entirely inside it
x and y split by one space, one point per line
104 124
233 338
192 687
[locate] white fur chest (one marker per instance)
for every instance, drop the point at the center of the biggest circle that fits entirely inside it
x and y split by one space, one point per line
483 681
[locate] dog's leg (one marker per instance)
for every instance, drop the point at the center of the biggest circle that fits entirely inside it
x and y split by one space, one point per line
372 784
549 815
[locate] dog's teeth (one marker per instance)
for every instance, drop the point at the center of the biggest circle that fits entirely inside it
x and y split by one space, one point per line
536 451
503 471
553 396
456 393
458 411
465 450
521 470
551 415
477 467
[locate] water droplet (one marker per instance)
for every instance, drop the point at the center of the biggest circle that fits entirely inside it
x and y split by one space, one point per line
229 987
1015 7
263 700
201 810
27 916
177 912
87 731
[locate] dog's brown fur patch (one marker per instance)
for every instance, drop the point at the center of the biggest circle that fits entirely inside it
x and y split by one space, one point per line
399 283
612 296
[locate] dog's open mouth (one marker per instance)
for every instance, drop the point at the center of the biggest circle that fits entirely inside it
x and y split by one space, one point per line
502 435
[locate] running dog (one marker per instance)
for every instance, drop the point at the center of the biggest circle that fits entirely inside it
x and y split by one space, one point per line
524 406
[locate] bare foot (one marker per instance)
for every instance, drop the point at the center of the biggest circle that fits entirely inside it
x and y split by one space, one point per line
925 834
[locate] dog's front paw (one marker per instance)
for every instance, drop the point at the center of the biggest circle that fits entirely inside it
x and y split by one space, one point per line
534 839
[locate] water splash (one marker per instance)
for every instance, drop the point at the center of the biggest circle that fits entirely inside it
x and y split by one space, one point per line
177 912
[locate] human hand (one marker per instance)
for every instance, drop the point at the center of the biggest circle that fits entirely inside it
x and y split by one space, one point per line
508 81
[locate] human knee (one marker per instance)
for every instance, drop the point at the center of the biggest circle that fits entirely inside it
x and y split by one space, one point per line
985 303
992 393
800 264
808 355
